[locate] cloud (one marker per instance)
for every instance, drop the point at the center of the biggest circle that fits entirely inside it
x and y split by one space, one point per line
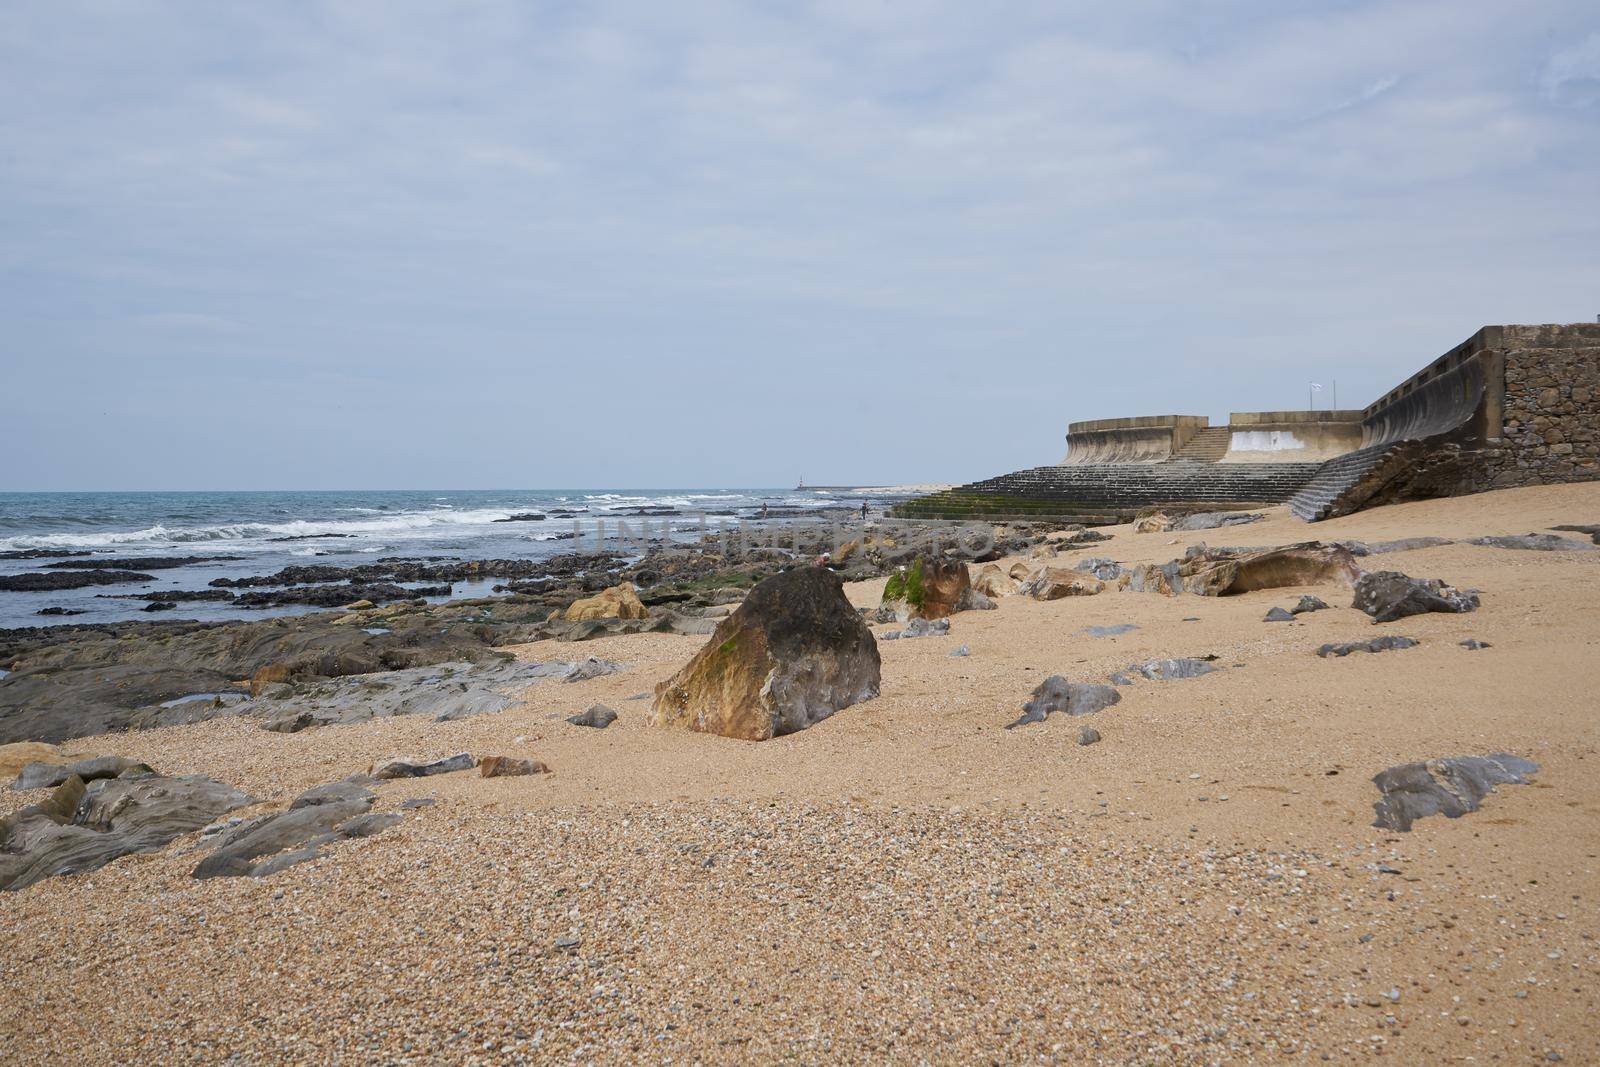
718 222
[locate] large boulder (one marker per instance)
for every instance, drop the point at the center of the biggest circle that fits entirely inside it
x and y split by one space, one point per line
932 588
618 602
1226 572
1390 595
792 654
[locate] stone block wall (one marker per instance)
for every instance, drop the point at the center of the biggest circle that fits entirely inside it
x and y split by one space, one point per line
1550 414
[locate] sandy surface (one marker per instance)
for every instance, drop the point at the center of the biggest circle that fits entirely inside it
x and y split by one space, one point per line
908 881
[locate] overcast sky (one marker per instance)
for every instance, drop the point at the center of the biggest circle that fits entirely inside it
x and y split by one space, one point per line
512 244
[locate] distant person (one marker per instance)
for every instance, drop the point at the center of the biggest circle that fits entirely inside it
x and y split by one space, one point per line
863 511
763 509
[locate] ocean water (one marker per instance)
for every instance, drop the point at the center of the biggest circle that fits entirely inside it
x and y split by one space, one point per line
273 530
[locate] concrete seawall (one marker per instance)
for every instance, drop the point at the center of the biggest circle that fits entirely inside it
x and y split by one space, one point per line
1145 439
1291 436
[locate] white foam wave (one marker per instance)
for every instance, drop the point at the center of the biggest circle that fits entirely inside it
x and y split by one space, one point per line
400 526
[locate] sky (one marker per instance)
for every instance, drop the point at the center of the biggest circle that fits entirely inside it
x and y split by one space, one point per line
512 244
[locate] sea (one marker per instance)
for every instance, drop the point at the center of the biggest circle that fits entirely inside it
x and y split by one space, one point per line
268 531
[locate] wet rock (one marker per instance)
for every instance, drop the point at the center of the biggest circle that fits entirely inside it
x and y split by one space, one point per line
1377 644
522 516
1166 670
51 581
60 611
1534 542
1279 615
47 775
510 767
83 827
618 602
40 553
1057 695
160 605
411 767
791 655
1390 595
595 716
140 563
1472 644
1449 787
337 596
1308 603
1088 735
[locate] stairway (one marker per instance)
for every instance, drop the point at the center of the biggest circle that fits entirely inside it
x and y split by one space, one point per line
1331 491
1103 493
1207 445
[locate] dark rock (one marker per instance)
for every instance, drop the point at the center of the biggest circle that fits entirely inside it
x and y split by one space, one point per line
597 716
83 827
1166 670
336 596
523 516
59 611
1390 595
42 553
172 595
51 581
1279 615
1213 520
409 767
509 767
1308 603
1088 735
40 775
1377 644
1592 530
1448 787
1472 644
141 563
160 605
1534 542
1057 695
274 842
353 788
793 653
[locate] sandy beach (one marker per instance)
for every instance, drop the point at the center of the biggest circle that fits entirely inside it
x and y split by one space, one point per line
908 881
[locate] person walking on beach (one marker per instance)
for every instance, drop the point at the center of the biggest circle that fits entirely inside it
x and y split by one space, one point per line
863 511
763 509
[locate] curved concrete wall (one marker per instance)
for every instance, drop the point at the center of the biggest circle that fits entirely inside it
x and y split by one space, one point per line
1291 436
1145 439
1451 395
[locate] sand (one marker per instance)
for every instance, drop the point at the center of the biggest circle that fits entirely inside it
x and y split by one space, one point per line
908 881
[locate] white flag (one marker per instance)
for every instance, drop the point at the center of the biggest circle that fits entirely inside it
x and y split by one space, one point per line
1316 387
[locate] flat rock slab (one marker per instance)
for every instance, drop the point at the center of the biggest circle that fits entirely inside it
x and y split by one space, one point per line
595 716
1390 595
1056 695
1534 542
82 827
43 775
274 842
444 692
1449 787
1109 631
1377 644
1308 604
411 767
1279 615
920 628
1165 670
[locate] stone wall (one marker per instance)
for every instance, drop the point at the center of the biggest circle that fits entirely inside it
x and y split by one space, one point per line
1550 413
